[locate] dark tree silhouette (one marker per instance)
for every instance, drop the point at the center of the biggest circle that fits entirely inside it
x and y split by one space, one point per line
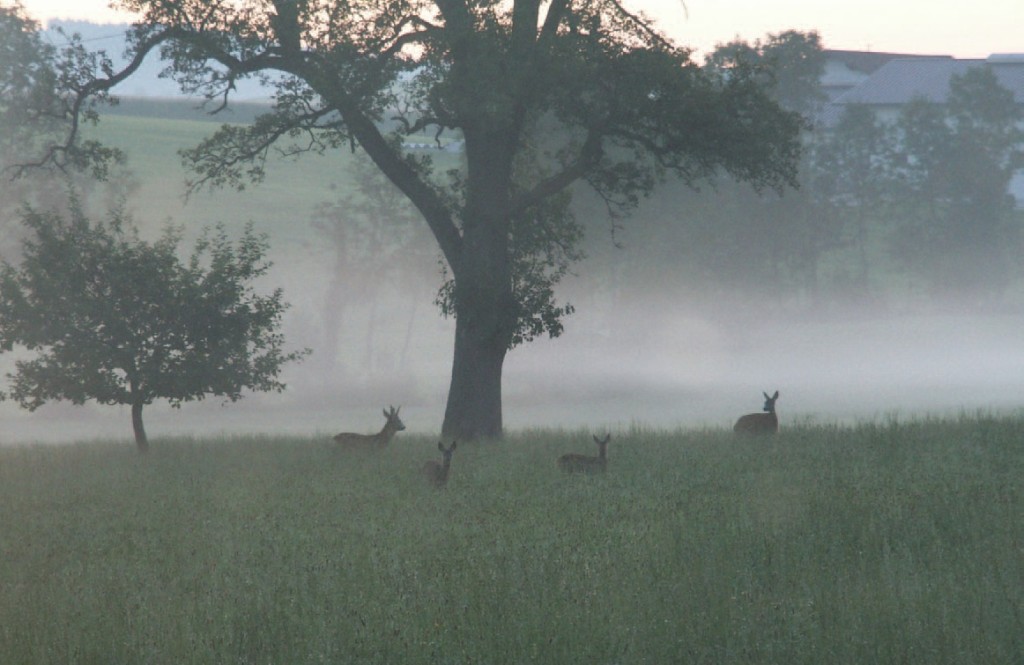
544 95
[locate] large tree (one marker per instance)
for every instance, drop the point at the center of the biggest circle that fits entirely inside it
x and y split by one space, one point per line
118 320
544 93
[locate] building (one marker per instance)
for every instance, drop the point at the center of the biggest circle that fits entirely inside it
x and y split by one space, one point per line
845 70
885 82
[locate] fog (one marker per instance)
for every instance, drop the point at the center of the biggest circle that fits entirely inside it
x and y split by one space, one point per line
677 370
653 343
658 349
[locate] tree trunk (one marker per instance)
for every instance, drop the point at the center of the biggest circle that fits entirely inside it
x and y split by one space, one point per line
485 307
474 398
141 442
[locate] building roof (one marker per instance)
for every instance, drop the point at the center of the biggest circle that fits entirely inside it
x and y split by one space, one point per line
867 62
899 81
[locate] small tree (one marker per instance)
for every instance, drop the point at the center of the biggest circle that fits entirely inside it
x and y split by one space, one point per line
123 321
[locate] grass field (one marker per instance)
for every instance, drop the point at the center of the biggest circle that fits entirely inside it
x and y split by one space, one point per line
886 542
282 204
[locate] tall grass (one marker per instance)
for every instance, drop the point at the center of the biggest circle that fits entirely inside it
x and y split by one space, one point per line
883 542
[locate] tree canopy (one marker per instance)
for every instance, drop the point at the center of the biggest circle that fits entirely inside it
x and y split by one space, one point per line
118 320
544 95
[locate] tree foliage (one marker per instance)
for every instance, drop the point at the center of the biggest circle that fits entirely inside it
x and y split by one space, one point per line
45 95
28 90
734 236
119 320
789 65
956 161
28 82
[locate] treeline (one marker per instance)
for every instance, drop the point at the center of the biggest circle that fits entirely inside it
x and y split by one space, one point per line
905 216
908 214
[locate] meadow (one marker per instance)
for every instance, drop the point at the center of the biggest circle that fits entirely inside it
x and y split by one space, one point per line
879 542
281 205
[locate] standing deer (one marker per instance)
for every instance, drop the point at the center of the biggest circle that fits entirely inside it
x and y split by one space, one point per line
760 423
436 473
394 424
585 463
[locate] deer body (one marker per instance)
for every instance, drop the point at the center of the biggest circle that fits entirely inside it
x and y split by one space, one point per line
572 462
760 423
437 472
380 439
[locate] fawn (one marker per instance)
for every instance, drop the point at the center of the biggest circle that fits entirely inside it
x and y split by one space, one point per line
437 473
380 439
585 463
760 423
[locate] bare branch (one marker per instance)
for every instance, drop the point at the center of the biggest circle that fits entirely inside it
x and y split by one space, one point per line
403 39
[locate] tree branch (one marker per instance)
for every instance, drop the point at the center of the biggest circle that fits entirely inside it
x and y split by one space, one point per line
247 144
389 160
58 155
589 156
556 12
644 26
403 39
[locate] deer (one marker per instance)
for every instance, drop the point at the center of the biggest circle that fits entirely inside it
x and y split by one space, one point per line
760 423
586 463
437 473
394 424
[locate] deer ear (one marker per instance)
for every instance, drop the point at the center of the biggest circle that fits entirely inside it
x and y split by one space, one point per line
776 395
385 412
440 446
453 446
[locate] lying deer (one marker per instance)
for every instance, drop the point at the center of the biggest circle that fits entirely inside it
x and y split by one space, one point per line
585 463
394 424
760 423
437 473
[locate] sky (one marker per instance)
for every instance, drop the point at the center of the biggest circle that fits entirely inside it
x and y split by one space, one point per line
951 27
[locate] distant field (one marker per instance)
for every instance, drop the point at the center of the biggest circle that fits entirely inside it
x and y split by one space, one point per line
281 205
886 542
151 132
